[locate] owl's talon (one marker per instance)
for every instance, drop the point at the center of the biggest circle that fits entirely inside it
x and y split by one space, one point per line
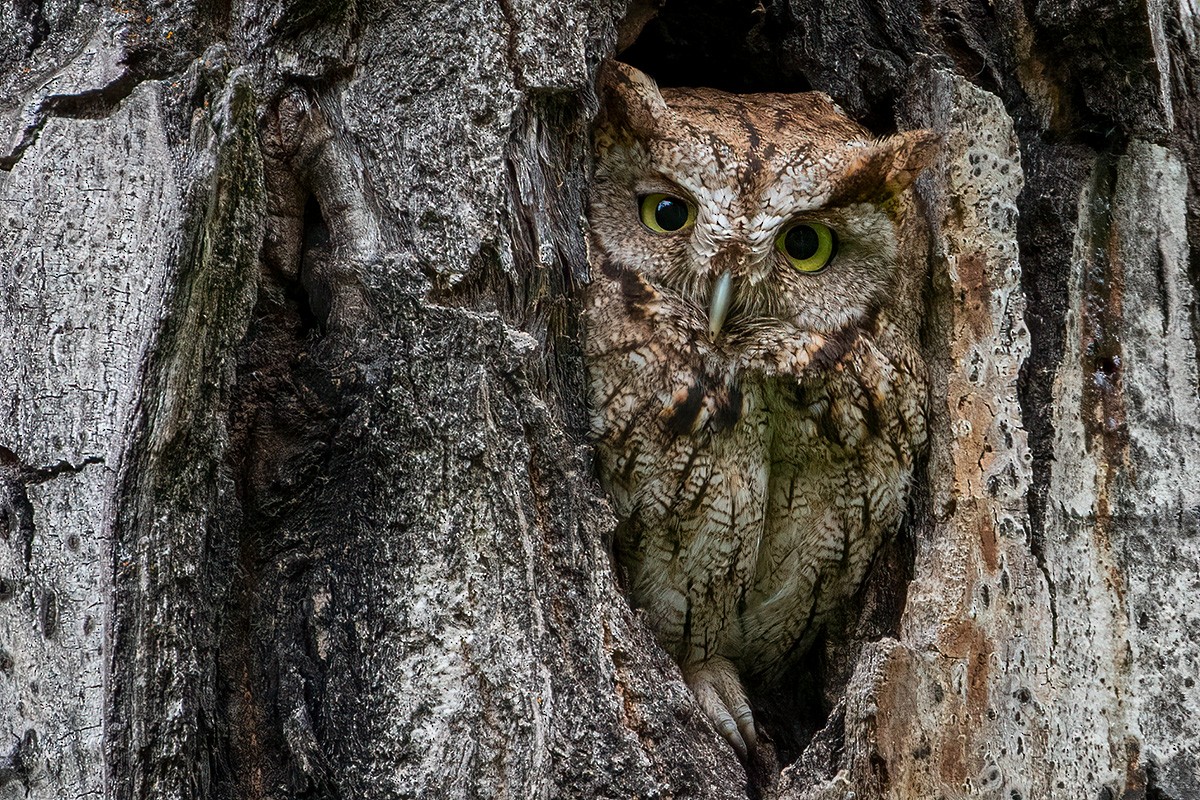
745 723
726 726
719 691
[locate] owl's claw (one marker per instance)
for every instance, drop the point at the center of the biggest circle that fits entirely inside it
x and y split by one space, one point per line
719 690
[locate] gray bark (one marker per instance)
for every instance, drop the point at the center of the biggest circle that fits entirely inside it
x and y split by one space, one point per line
295 494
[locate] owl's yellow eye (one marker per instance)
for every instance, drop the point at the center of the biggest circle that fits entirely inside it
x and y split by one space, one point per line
810 246
663 213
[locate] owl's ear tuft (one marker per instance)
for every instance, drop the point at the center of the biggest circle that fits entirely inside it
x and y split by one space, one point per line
629 98
912 152
887 168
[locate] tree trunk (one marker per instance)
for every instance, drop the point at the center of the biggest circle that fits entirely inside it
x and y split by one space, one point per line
295 494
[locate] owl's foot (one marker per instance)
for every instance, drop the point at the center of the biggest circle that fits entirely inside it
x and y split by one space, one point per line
716 684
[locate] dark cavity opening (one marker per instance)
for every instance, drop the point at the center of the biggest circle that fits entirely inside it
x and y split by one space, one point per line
860 58
282 423
731 45
312 304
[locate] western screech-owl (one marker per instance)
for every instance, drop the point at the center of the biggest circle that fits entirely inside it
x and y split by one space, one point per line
758 396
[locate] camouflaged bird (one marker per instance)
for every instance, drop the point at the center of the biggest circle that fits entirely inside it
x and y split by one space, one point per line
758 396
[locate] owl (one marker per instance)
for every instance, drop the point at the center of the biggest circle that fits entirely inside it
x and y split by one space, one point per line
757 392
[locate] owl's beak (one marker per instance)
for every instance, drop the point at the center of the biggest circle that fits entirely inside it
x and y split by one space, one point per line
722 298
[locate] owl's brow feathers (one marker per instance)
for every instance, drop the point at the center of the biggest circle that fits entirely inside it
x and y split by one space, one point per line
801 131
756 163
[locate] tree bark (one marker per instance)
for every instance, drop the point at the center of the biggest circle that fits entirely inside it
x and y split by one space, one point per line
295 493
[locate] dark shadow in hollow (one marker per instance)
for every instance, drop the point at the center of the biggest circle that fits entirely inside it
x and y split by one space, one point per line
724 44
283 417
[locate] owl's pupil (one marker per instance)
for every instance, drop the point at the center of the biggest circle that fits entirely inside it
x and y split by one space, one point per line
801 242
671 214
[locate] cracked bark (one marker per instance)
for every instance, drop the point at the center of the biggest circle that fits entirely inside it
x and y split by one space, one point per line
88 104
295 499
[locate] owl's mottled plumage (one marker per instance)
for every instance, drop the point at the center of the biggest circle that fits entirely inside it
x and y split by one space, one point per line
755 472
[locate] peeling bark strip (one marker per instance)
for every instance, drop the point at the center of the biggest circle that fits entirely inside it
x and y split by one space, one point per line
294 498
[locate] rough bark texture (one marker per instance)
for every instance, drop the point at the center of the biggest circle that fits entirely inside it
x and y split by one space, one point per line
295 499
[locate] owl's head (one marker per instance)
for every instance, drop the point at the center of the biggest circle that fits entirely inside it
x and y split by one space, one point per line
760 209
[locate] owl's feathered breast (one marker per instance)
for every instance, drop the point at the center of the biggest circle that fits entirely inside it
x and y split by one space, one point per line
754 479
